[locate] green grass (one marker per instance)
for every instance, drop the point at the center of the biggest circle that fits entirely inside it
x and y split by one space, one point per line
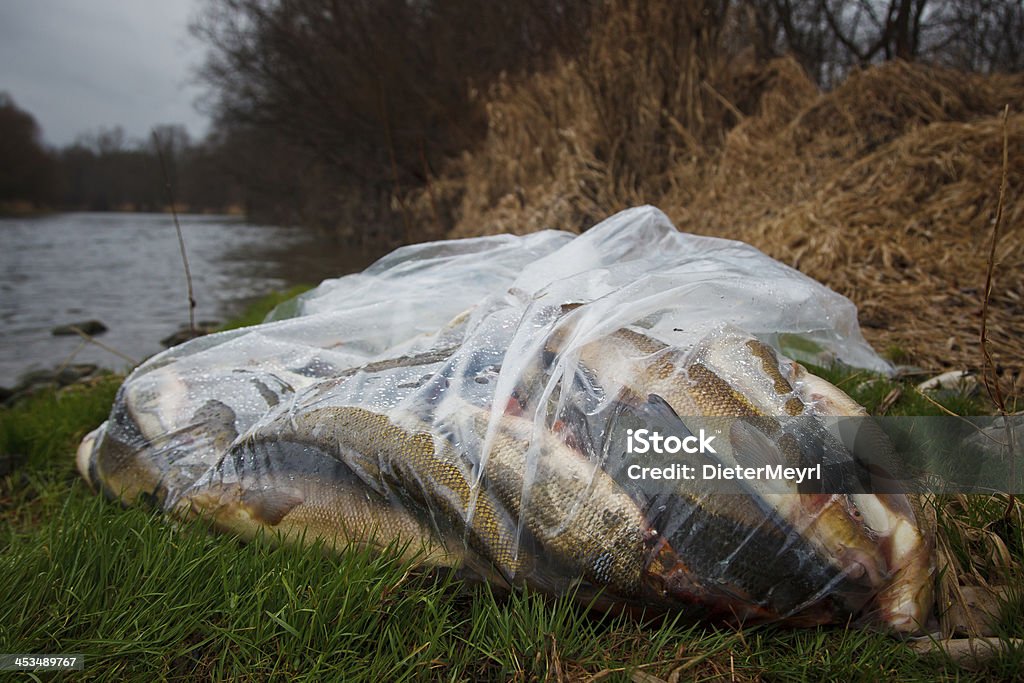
143 599
147 599
255 312
871 391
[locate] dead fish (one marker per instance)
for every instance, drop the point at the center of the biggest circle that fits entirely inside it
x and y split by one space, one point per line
138 453
905 531
290 488
721 549
430 477
871 539
694 388
306 477
569 504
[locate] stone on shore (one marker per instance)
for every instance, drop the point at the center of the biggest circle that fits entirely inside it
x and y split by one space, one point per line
186 333
35 381
90 327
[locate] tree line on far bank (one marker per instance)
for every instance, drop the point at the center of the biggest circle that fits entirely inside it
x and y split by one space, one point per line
105 171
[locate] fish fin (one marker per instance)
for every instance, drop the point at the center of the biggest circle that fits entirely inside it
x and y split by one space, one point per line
270 507
752 447
874 451
434 388
574 430
266 393
214 410
215 421
659 404
658 410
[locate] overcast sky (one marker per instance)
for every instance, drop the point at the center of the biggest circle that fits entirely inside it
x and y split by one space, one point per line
78 65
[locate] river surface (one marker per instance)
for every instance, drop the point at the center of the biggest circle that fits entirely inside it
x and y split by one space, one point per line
126 271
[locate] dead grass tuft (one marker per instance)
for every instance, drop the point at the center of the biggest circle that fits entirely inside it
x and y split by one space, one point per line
884 189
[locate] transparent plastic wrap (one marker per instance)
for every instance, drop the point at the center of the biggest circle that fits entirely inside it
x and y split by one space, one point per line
497 405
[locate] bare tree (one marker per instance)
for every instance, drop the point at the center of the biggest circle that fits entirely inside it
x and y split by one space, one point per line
869 31
377 91
829 37
979 35
26 167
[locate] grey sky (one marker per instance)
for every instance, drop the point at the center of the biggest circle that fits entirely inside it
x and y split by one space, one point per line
77 65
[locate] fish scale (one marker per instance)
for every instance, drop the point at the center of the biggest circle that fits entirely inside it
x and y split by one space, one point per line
303 494
578 515
770 364
575 509
410 461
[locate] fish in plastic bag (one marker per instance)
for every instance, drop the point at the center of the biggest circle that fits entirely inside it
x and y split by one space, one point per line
608 414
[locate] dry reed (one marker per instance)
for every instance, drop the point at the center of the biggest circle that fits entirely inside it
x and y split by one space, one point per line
884 188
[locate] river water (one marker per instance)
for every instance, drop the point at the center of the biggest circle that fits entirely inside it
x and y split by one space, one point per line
126 271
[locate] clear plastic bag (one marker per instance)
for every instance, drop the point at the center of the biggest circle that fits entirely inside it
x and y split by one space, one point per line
480 403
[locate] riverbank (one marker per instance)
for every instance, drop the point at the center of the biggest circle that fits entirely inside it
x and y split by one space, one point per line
32 382
24 209
21 209
133 593
125 270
